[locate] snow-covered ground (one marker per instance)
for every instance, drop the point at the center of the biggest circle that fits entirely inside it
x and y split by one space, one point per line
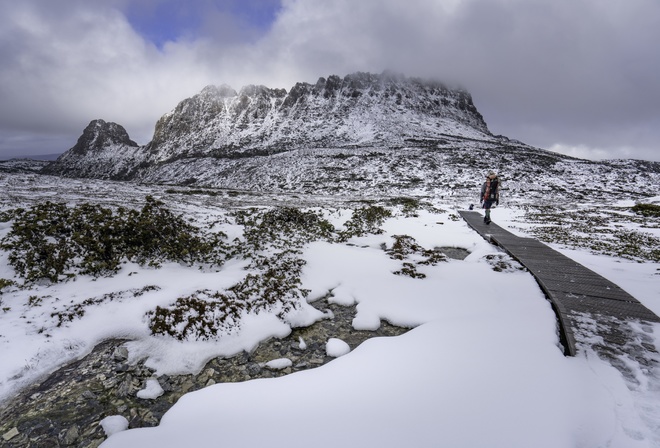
481 367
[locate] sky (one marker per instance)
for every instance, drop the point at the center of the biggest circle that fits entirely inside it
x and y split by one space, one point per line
573 76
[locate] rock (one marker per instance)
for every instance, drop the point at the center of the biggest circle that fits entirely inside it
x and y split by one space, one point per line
88 395
165 383
336 347
186 386
126 387
120 354
279 364
151 391
10 434
71 435
253 368
242 358
73 401
114 424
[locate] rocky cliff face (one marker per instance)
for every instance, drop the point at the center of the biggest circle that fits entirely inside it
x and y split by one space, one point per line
104 151
361 134
99 135
361 110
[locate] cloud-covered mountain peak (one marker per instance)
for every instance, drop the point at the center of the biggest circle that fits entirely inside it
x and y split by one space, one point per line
360 110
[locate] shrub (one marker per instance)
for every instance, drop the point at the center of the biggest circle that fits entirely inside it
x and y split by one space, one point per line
364 221
282 227
199 316
648 210
405 247
274 287
54 242
409 206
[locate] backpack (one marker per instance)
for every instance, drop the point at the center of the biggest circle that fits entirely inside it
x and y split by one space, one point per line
491 191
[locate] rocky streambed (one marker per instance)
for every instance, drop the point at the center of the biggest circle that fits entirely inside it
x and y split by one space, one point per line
65 410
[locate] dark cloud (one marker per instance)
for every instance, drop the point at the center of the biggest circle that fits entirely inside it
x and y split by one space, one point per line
578 76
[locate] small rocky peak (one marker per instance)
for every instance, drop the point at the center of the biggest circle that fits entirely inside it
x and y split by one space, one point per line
360 81
327 87
222 91
100 134
300 90
261 91
252 90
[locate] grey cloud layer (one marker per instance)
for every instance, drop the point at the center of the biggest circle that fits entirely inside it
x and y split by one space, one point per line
577 73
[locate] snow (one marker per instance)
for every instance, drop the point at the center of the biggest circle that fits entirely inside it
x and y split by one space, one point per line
279 364
481 365
114 424
152 390
336 347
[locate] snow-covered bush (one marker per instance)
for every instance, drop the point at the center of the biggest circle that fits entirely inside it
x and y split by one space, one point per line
648 210
54 242
273 286
282 227
406 247
364 221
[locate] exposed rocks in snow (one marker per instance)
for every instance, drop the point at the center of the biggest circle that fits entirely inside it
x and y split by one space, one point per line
113 424
84 402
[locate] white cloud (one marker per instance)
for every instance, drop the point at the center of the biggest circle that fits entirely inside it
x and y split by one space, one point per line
580 151
63 72
577 72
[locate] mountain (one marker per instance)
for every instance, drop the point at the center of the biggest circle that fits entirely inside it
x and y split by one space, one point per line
104 151
361 134
360 110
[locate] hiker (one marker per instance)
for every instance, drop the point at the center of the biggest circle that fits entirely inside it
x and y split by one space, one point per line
490 193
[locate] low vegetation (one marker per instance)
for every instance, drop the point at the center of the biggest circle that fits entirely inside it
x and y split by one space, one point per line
405 248
602 231
648 210
365 220
55 242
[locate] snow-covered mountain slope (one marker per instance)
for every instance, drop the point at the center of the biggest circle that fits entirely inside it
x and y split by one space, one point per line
359 111
364 134
452 171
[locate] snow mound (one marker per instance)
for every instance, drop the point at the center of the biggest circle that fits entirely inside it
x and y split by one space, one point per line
114 424
336 348
151 391
279 364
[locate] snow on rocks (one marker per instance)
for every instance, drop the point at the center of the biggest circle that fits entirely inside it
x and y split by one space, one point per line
279 364
114 424
152 390
336 348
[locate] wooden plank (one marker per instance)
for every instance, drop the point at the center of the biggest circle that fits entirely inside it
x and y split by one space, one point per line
572 289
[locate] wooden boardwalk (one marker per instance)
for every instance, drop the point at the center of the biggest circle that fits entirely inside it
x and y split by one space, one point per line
574 291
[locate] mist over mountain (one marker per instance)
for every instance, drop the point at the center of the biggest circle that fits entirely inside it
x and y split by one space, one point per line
368 133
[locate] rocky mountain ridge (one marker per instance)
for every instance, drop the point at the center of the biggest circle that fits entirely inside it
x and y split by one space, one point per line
363 134
357 111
